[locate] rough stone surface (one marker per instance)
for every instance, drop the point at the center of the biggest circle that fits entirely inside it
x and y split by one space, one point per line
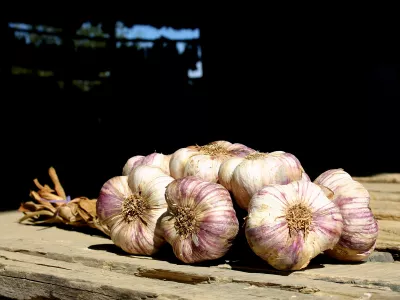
380 257
39 262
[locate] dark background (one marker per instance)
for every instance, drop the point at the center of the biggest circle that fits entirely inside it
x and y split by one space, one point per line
327 94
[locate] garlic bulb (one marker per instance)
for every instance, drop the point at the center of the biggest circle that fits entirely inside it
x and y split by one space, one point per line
244 176
200 222
155 159
131 206
360 229
204 161
290 224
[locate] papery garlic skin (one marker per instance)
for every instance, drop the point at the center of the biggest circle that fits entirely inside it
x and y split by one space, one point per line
290 224
155 159
130 206
200 222
247 175
360 229
179 160
111 196
131 163
204 161
305 177
226 171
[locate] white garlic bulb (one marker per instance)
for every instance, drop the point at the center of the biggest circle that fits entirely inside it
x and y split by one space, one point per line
131 206
360 229
155 159
290 224
200 222
204 161
244 176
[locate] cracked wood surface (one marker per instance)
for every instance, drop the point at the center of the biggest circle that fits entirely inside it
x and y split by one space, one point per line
37 261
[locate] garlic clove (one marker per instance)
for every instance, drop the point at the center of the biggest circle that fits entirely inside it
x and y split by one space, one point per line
159 160
239 150
226 170
360 229
131 163
203 167
155 159
141 175
179 160
290 224
150 182
340 181
200 222
135 238
334 178
358 239
305 177
111 197
258 170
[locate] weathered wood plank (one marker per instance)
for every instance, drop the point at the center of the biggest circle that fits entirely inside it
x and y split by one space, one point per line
22 277
382 178
389 236
47 260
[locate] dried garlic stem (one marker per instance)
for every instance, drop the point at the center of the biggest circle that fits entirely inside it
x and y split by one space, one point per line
38 185
50 196
35 195
57 185
39 199
256 155
35 214
214 149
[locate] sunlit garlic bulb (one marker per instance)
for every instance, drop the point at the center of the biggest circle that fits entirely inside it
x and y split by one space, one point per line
200 222
131 206
288 225
244 176
360 229
204 161
155 159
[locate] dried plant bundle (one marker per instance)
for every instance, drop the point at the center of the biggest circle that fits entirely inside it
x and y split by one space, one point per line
53 206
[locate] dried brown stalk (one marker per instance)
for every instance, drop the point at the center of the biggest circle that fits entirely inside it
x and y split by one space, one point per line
52 206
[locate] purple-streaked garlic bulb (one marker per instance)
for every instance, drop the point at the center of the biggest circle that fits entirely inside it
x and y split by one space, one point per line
288 225
130 207
204 161
244 176
360 228
155 159
200 223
